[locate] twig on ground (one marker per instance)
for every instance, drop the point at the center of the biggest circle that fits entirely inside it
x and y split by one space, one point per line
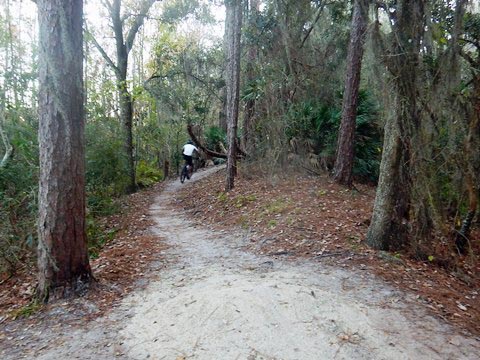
331 254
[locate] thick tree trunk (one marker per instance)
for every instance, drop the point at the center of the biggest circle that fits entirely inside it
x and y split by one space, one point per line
391 218
62 249
125 99
342 172
233 31
388 225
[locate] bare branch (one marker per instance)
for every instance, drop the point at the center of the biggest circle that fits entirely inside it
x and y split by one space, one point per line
138 22
209 152
203 147
107 4
319 13
468 58
102 52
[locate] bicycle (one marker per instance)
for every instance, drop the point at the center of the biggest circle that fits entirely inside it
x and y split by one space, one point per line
186 173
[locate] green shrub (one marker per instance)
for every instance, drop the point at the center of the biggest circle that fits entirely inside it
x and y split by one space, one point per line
105 155
18 196
148 175
106 174
312 128
214 136
368 140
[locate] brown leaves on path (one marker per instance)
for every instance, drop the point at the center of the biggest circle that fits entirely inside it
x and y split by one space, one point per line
311 217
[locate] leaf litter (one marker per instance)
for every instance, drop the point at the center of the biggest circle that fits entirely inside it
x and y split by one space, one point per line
314 218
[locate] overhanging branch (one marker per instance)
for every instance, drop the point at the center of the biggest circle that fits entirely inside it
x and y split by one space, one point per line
102 52
203 147
240 152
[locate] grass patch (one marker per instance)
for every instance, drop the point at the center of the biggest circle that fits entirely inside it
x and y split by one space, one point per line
27 310
242 200
276 207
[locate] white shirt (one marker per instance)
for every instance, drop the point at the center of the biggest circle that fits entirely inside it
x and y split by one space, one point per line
188 149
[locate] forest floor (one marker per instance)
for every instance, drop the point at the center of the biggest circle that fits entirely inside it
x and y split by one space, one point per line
184 278
313 218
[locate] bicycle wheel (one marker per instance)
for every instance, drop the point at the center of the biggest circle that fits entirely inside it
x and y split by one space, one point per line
183 174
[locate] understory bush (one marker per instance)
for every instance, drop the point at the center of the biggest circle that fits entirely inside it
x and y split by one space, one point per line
214 137
105 166
18 196
147 175
312 131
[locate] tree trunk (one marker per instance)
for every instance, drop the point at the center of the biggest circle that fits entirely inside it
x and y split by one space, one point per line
222 114
124 43
472 154
342 172
62 249
233 31
389 228
126 116
252 56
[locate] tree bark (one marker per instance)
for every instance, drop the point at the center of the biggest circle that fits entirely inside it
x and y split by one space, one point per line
472 155
343 169
222 114
390 225
252 55
62 248
233 32
126 116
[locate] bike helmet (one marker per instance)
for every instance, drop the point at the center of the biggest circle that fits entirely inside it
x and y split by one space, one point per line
190 142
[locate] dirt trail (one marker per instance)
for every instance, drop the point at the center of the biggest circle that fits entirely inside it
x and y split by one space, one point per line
216 301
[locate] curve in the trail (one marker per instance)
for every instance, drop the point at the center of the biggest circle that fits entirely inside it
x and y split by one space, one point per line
220 302
217 301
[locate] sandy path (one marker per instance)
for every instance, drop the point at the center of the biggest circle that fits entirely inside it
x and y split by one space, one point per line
218 302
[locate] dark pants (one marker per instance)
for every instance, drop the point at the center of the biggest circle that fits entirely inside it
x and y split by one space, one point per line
188 160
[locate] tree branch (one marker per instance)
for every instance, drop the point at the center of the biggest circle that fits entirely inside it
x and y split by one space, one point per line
107 4
320 10
137 23
468 58
209 152
201 146
102 52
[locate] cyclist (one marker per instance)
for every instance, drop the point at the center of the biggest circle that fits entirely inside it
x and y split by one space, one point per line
187 152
